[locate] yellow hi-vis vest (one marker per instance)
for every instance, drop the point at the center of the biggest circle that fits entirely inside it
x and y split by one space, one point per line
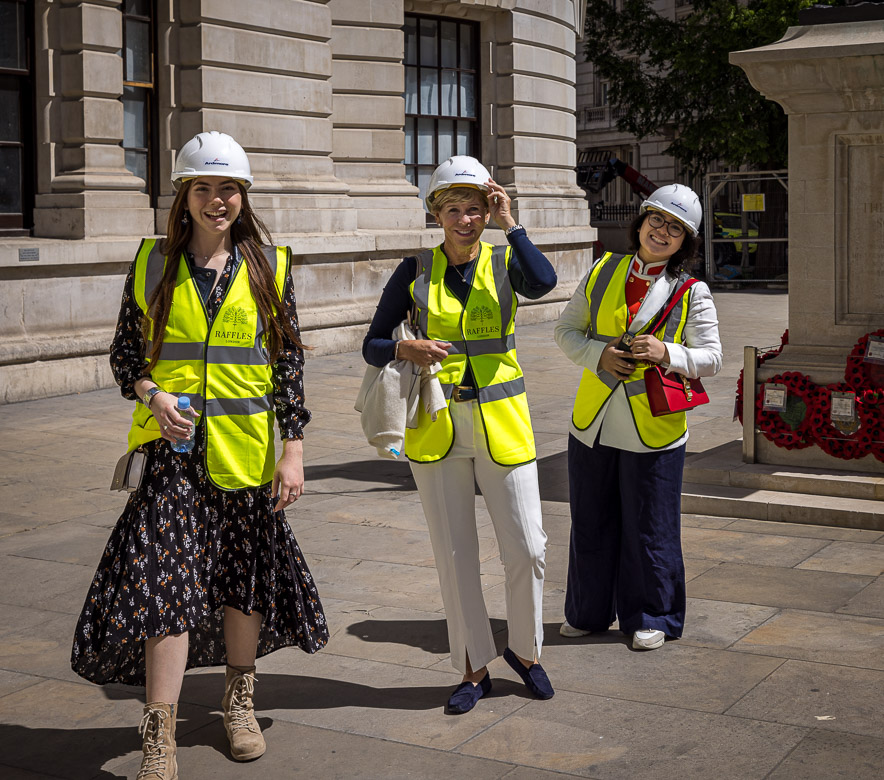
222 365
481 331
608 319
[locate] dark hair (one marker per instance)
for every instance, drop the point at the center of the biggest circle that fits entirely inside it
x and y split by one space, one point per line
248 236
683 260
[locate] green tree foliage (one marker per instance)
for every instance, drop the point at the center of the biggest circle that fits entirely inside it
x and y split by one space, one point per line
675 76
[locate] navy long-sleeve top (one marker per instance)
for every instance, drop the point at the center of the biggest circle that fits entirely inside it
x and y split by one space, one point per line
531 275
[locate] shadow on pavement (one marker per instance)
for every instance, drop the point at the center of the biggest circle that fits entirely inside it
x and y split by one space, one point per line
385 474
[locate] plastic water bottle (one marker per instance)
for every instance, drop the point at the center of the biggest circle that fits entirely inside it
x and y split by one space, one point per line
185 445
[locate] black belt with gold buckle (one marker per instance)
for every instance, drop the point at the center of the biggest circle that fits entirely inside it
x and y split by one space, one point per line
465 393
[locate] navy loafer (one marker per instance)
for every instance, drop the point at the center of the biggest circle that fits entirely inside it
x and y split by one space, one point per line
466 695
534 677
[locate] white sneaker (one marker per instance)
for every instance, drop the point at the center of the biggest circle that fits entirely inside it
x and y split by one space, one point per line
648 639
566 629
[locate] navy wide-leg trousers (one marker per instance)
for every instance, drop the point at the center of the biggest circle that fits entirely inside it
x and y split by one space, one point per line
625 558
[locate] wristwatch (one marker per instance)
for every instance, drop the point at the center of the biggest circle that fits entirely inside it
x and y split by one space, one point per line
148 396
512 229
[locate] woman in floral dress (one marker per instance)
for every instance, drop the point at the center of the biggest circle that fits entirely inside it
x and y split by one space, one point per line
202 568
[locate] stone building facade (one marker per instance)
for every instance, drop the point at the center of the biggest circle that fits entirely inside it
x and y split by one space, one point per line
342 105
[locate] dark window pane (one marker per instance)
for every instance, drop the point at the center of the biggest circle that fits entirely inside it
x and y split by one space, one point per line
10 180
10 129
429 102
411 90
136 162
409 141
137 7
134 118
137 51
426 131
428 41
445 139
466 47
467 95
449 93
464 138
410 41
423 179
12 35
449 44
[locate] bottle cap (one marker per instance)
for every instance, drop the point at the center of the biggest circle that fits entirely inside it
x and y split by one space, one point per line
183 402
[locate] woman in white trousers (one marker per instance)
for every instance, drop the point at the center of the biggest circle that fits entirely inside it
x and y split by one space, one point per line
463 293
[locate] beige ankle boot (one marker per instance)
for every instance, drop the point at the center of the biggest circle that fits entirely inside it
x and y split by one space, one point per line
243 731
158 727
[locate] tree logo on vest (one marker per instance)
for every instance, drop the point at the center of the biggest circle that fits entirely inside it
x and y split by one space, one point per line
235 327
478 317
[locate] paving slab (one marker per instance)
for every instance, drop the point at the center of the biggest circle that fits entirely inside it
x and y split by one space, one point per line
598 737
803 529
825 755
676 675
777 587
719 624
848 558
71 542
58 587
737 547
819 636
869 601
43 650
822 696
13 681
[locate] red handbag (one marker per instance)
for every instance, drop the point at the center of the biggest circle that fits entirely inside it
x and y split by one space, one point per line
672 393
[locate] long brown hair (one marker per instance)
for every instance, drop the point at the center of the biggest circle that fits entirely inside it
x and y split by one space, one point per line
247 233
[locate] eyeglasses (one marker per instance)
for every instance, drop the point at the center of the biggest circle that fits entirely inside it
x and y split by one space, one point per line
675 229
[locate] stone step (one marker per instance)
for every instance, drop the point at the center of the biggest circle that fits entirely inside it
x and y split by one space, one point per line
723 466
781 506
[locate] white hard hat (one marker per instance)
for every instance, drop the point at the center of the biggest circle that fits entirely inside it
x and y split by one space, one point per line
212 154
679 201
457 171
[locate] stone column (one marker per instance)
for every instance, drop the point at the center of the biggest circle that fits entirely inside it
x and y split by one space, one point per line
85 189
827 78
532 121
261 72
369 113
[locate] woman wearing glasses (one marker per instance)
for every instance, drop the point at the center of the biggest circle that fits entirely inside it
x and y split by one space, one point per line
625 465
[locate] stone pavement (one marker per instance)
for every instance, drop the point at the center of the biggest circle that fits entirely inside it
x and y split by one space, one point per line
780 673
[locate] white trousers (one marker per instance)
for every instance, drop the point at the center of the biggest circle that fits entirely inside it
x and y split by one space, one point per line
512 496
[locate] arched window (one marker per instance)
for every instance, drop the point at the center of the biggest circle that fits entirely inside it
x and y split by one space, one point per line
16 119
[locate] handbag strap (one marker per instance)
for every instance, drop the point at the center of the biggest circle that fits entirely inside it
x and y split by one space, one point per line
670 305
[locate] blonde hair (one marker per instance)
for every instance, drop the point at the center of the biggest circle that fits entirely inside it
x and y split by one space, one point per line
457 195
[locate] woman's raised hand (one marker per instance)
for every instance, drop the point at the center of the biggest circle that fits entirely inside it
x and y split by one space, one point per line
424 352
499 205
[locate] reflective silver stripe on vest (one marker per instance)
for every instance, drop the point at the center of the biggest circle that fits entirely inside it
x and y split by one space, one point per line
608 379
153 275
635 388
270 254
219 407
421 289
180 350
503 390
237 356
196 400
606 273
505 292
483 346
447 391
674 318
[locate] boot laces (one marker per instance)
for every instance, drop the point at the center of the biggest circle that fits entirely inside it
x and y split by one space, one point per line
153 728
241 709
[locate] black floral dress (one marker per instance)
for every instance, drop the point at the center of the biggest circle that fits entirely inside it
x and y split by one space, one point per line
183 548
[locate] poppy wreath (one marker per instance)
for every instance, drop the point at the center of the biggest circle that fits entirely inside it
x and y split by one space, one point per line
762 358
862 376
791 429
835 442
